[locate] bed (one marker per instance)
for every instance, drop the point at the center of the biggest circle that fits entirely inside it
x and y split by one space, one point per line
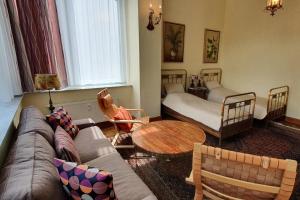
271 107
222 120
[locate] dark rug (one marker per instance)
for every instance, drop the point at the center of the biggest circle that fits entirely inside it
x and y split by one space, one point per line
166 178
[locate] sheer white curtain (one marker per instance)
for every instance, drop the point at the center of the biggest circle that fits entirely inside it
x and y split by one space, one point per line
9 72
93 38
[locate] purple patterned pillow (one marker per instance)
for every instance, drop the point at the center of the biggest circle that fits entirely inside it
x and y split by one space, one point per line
84 182
61 118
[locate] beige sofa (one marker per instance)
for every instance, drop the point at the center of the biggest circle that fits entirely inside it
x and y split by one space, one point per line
29 172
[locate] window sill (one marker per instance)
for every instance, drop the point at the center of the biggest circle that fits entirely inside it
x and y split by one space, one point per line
88 87
8 112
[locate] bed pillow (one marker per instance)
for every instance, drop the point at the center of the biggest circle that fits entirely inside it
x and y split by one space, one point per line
84 182
123 114
212 84
61 118
174 88
65 146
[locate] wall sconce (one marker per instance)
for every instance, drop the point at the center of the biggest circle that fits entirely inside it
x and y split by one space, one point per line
273 6
153 19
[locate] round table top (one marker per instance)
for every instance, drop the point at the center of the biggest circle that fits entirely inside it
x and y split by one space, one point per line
168 137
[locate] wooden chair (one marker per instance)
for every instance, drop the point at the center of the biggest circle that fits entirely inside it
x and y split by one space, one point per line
109 110
222 174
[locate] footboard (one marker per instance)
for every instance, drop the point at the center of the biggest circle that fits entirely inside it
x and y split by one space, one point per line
277 102
237 114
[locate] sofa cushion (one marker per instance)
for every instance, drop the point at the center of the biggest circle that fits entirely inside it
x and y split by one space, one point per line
62 118
65 147
32 120
82 181
30 173
127 185
92 143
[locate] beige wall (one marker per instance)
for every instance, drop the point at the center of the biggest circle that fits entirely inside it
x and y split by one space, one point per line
260 51
41 100
197 15
150 60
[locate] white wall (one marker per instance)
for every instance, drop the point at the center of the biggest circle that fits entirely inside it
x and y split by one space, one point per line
197 15
261 51
132 29
150 60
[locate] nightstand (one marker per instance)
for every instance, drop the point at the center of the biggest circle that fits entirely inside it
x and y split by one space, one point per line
201 92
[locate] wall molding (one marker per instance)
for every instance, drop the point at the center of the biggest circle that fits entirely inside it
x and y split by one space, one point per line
292 120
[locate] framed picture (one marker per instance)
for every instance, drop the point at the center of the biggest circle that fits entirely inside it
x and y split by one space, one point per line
211 46
173 42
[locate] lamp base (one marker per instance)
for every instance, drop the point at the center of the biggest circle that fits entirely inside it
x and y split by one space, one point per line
51 107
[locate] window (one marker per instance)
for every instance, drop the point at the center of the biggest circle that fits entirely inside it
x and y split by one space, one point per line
10 81
93 38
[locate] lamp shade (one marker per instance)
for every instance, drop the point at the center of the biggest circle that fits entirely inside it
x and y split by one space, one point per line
46 82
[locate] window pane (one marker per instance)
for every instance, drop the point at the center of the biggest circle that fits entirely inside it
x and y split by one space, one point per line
92 38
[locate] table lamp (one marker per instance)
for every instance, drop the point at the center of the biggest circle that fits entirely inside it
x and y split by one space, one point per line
47 82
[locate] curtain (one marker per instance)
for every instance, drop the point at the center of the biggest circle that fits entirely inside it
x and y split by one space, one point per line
10 81
93 38
35 28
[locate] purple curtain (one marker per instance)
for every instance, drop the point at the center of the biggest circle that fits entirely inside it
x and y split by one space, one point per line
37 38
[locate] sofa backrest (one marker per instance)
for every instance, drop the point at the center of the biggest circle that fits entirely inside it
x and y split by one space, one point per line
29 172
32 120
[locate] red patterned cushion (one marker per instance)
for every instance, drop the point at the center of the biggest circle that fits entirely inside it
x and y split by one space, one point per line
84 182
65 147
123 114
61 118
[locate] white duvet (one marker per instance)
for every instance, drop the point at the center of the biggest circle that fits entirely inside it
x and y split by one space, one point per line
217 95
206 112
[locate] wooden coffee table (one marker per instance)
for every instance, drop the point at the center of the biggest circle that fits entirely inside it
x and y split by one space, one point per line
168 137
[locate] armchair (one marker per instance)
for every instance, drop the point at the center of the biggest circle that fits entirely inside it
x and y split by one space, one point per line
110 110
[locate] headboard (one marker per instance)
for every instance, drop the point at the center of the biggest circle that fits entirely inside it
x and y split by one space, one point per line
173 76
211 74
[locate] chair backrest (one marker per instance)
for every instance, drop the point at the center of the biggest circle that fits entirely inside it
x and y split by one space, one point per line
105 102
222 174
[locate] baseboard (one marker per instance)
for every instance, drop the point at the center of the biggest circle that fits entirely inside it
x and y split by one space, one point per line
292 120
153 119
108 124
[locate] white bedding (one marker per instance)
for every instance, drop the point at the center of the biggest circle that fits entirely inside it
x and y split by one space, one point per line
208 113
217 95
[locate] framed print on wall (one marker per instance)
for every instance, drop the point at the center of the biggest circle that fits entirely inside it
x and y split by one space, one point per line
211 46
173 42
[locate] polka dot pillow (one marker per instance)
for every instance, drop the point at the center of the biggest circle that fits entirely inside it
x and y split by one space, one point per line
83 182
61 118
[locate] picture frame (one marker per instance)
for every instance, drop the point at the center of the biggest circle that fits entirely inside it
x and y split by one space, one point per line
211 46
173 42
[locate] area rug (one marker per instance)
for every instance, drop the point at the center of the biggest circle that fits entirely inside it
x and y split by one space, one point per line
167 178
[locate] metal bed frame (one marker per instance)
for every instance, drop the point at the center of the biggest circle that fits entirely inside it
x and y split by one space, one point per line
237 110
277 97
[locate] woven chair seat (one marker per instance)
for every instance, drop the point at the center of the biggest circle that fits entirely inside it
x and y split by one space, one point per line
233 175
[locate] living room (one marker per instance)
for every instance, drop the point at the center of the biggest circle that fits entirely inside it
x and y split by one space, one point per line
86 57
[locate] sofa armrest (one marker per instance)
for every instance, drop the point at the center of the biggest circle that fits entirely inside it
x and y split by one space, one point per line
84 123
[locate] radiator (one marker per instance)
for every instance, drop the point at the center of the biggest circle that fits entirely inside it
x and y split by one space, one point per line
84 109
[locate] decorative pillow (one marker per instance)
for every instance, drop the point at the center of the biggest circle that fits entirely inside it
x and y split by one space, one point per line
212 84
65 147
61 118
174 88
84 182
123 114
